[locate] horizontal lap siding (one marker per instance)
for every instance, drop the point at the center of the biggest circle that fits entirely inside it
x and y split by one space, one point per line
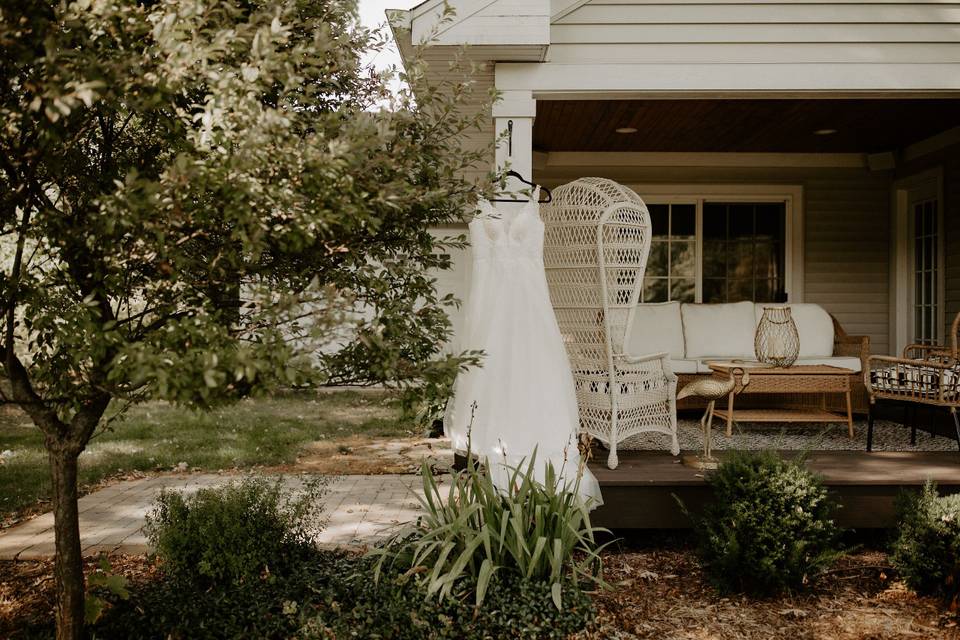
847 251
846 231
758 32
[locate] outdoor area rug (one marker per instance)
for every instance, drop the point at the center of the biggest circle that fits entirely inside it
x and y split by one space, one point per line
887 436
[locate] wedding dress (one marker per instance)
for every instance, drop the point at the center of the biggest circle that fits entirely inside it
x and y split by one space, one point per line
522 396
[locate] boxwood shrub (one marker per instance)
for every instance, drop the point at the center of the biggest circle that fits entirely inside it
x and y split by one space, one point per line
926 552
768 528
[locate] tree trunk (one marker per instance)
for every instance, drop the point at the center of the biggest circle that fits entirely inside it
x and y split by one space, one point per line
68 560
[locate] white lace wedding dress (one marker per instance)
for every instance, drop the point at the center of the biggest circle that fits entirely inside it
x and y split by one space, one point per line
522 397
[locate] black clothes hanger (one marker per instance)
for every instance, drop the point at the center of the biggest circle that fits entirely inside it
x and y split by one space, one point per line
513 174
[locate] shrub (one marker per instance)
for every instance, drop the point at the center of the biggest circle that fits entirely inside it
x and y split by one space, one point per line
926 552
537 531
234 533
331 596
769 527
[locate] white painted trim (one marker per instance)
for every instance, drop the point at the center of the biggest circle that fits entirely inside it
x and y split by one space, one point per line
548 77
515 104
901 312
929 145
790 194
559 9
704 159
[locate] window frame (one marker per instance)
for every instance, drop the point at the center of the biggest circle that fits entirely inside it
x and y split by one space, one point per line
790 195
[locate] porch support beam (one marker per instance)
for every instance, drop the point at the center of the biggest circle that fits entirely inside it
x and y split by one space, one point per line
513 119
556 159
555 80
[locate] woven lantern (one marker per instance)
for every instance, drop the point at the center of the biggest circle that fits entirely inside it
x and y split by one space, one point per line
777 341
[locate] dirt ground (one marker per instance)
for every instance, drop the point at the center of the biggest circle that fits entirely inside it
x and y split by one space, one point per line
657 594
663 595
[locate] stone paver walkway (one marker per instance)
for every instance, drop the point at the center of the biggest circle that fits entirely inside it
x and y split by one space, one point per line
357 511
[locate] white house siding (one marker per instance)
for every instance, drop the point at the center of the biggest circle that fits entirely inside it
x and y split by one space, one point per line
767 31
846 231
481 76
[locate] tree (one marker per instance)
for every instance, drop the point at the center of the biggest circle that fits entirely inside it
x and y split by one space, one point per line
194 196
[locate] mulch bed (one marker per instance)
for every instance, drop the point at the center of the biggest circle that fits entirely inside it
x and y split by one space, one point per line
658 593
27 589
663 594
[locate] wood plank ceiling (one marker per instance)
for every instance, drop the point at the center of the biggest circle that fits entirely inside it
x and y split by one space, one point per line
865 126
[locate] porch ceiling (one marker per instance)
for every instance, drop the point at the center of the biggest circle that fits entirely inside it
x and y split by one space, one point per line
862 126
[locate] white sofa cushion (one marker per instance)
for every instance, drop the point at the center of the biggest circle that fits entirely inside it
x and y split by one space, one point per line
719 330
656 328
681 365
814 326
845 362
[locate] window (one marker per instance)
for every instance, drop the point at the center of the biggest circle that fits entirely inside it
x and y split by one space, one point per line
672 265
743 252
715 250
926 267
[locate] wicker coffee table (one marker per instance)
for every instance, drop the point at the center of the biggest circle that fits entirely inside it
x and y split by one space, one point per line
807 379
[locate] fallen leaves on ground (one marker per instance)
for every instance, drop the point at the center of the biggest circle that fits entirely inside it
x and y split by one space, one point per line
27 589
663 594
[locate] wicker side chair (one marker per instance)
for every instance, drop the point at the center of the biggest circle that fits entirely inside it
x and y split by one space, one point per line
596 243
925 374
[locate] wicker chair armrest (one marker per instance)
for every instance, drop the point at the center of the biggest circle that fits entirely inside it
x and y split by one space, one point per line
946 363
662 358
645 358
925 351
850 346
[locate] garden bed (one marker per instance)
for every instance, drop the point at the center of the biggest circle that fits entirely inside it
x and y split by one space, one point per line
658 593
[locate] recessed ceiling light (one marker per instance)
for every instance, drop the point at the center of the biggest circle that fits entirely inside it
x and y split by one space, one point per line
824 132
626 130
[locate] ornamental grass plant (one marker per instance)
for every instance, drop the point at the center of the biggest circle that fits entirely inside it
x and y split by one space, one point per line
539 532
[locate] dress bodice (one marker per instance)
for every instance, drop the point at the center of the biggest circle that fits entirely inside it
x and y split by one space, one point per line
499 236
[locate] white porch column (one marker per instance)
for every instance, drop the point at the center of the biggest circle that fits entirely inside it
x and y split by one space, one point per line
513 121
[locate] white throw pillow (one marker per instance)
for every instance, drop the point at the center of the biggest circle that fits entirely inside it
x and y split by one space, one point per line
656 328
814 326
722 330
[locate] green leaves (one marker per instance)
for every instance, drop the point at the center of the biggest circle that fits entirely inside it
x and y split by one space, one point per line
926 552
102 580
205 180
538 532
769 527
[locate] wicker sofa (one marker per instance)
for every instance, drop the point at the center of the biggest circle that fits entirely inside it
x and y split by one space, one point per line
694 334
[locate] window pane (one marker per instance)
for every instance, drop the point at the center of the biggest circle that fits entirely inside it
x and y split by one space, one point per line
765 260
739 290
764 291
655 290
659 218
714 221
714 259
741 220
683 259
684 221
714 290
682 289
771 221
740 259
657 262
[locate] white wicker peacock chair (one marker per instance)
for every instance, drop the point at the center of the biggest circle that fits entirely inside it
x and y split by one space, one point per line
596 243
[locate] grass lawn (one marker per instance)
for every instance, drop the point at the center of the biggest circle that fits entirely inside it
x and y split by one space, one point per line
158 437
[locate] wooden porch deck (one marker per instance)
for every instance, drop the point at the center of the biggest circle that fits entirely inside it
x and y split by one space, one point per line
642 492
